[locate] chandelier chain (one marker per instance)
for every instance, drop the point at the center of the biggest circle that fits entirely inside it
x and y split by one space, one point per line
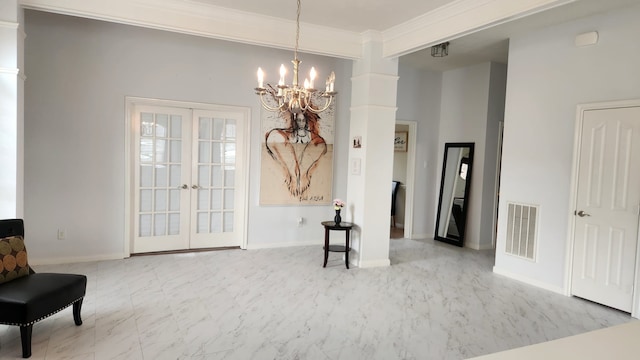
295 52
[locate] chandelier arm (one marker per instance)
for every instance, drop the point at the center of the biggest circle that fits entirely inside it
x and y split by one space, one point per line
325 107
267 106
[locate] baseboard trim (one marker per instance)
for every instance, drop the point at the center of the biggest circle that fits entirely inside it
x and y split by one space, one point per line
529 281
374 263
421 236
251 246
71 260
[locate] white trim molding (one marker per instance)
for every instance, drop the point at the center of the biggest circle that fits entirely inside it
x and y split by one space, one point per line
457 19
10 71
194 18
9 25
527 280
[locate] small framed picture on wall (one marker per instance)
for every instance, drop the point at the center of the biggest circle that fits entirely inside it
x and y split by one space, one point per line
400 142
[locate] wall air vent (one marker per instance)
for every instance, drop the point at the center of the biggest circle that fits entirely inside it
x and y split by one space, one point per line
522 221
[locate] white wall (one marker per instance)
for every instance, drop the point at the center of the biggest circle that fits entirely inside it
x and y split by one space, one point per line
419 95
11 110
547 77
79 72
468 114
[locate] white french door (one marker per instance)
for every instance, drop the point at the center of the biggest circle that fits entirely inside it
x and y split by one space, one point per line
189 177
608 201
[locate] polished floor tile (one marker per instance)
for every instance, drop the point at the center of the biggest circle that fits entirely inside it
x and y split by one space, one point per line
435 302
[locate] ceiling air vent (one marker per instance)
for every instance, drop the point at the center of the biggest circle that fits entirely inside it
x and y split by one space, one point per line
522 221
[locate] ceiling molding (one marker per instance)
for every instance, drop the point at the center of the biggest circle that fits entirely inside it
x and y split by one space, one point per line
210 21
457 19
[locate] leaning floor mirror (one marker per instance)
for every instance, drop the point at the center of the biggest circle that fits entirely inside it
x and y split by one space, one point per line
454 193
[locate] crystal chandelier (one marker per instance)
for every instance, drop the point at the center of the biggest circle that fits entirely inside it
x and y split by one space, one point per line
294 98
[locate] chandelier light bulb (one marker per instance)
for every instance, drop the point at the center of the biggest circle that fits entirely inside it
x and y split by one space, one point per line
312 77
260 78
283 72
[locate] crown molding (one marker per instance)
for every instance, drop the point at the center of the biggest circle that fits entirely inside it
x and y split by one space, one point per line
457 19
448 22
199 19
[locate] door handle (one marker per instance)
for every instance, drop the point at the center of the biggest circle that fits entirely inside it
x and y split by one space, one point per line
184 186
582 213
195 187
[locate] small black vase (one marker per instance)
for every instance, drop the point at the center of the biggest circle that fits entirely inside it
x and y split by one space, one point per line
337 219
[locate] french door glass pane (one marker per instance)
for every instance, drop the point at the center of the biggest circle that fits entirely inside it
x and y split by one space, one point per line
229 176
228 199
146 175
145 225
160 174
174 178
176 126
176 151
161 200
216 157
159 228
145 200
174 200
204 128
216 174
230 153
174 224
203 222
218 127
216 199
203 175
203 199
228 221
230 131
216 222
203 152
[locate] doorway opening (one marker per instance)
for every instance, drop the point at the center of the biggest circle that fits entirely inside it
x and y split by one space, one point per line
403 178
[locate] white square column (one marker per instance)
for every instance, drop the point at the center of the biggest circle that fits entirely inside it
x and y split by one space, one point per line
373 117
11 110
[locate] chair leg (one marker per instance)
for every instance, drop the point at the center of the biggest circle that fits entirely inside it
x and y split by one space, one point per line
25 336
77 306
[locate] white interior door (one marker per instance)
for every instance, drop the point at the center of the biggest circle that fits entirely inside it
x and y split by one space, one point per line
219 175
162 202
608 199
190 178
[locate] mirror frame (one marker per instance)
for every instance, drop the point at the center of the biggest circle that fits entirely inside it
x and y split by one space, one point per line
465 204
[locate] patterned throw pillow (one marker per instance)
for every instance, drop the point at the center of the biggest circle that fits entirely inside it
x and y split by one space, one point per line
13 258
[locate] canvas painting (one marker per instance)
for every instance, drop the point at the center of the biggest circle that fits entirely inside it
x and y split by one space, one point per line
297 158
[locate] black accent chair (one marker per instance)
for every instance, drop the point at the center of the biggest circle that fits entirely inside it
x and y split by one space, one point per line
395 186
30 298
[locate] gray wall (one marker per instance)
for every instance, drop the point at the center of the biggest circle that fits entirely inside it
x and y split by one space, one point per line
471 101
419 100
79 72
548 77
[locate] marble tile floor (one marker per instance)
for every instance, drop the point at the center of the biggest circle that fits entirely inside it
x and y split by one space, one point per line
436 301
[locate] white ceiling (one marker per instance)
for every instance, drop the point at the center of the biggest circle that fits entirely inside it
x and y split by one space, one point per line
352 15
361 15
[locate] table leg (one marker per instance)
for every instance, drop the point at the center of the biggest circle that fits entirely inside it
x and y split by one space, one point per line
346 253
326 246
